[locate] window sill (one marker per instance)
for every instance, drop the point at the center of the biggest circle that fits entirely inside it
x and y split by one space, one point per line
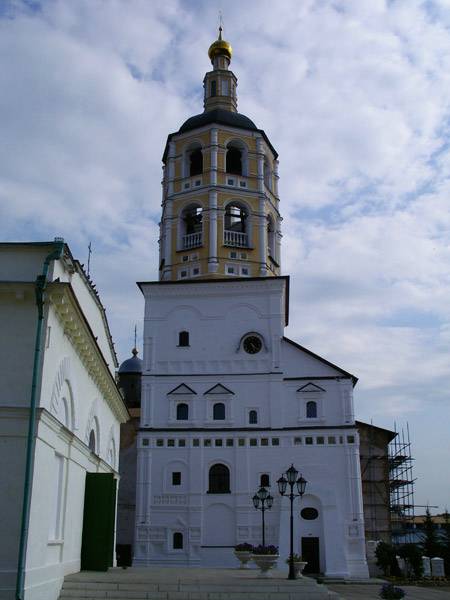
218 493
55 542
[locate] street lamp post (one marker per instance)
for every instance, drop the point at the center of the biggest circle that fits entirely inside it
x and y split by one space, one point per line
262 501
283 482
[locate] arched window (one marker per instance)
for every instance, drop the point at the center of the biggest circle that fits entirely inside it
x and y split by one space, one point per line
213 87
92 441
191 227
219 479
183 338
236 218
178 541
311 410
253 417
196 162
182 412
234 161
219 411
265 480
270 237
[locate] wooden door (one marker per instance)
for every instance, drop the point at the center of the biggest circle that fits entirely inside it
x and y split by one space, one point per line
97 544
311 554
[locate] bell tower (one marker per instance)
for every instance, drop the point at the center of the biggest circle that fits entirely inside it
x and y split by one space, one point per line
220 207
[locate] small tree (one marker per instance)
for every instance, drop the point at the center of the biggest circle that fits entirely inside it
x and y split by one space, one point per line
413 556
430 544
386 558
445 539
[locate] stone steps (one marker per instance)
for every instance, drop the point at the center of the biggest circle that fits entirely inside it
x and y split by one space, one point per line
190 584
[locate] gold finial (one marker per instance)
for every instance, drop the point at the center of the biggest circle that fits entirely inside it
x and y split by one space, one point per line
220 46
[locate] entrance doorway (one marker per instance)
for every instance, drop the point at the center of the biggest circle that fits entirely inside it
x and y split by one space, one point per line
97 545
311 554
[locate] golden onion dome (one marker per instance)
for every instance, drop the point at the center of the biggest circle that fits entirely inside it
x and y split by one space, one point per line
220 47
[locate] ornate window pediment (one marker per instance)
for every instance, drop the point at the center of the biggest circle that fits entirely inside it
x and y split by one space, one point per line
311 387
218 389
182 390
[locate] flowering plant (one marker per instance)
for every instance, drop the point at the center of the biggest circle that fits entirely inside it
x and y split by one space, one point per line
265 549
389 592
243 548
296 557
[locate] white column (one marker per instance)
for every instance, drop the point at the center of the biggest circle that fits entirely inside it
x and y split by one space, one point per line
275 178
214 149
278 237
171 168
213 263
262 227
260 161
167 270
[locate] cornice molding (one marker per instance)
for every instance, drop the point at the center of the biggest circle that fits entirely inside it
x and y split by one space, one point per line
80 335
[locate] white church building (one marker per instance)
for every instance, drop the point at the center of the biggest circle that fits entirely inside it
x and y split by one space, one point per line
228 402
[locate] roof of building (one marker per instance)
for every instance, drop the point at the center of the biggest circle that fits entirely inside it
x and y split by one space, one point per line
220 117
132 365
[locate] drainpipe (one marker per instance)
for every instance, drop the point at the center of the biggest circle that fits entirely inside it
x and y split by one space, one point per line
41 284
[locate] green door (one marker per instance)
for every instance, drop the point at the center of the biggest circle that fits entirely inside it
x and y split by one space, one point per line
97 544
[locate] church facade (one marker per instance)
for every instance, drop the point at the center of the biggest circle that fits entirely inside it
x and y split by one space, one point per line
228 402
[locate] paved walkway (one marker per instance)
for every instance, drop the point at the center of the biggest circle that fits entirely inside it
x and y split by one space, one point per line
370 592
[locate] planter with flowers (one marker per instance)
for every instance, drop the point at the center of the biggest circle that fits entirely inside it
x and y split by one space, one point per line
299 565
390 592
243 552
265 558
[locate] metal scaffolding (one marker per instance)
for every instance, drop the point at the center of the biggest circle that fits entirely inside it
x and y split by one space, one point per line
401 483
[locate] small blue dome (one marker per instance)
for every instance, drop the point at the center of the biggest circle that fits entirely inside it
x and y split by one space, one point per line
131 365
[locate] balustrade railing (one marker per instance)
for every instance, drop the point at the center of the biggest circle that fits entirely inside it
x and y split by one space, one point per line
235 238
192 240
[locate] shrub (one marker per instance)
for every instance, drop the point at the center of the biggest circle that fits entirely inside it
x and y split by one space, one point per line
389 592
386 558
243 548
413 556
265 550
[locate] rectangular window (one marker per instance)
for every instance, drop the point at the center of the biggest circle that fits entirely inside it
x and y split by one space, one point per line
350 439
253 442
230 181
185 258
181 443
176 478
309 441
196 442
171 443
297 441
230 442
275 441
207 443
241 442
244 271
160 443
243 183
244 255
230 270
320 440
233 254
196 271
198 182
264 441
331 439
187 185
218 442
225 87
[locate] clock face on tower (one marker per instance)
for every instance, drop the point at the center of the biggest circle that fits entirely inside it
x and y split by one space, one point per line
252 344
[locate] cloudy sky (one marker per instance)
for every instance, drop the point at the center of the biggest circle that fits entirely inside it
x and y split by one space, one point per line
354 95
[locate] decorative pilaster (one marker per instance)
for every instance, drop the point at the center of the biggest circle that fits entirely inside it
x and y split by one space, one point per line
213 262
214 150
262 226
275 178
167 271
171 168
260 164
